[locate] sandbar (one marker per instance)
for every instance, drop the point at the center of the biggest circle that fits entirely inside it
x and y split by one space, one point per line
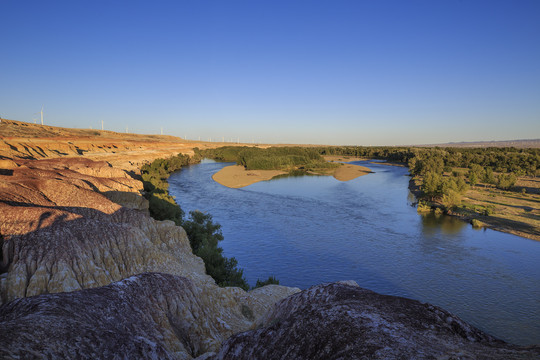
235 176
348 172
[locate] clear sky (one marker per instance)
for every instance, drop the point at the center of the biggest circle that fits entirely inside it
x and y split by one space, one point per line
333 72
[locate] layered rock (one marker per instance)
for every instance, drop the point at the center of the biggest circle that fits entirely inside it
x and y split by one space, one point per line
344 321
62 233
21 140
146 316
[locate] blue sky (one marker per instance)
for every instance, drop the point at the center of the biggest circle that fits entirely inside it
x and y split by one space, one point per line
326 72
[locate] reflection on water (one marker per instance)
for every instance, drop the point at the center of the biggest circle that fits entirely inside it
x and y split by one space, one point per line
313 229
434 223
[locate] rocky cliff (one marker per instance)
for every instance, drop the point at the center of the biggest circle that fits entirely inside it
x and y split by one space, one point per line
61 233
21 140
344 321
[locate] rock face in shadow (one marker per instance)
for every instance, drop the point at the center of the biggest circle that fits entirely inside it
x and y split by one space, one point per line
344 321
147 316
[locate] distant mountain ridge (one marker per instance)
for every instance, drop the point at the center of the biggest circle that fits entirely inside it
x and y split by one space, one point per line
525 143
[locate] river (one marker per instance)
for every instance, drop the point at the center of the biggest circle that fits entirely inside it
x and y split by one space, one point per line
313 229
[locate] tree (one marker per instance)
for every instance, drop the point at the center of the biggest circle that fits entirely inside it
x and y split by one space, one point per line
473 178
451 200
489 177
431 186
270 280
204 236
506 181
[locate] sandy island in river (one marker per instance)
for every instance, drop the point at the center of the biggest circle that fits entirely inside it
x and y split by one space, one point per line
235 176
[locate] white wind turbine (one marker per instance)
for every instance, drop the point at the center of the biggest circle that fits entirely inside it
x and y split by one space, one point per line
41 114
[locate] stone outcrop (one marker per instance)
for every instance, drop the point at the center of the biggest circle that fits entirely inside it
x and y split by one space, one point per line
147 316
61 233
344 321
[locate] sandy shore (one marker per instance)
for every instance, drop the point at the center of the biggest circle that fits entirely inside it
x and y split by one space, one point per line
348 172
235 176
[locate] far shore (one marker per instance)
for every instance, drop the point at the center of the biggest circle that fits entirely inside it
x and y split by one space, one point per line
235 176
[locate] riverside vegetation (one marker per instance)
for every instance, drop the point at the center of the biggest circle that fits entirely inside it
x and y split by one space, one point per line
492 186
294 160
204 234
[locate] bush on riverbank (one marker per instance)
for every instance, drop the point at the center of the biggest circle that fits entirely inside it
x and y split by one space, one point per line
204 235
270 280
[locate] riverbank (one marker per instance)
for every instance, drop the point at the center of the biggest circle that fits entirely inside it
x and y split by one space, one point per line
501 210
236 176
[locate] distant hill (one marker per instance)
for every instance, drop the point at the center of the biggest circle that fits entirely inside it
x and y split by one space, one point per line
527 143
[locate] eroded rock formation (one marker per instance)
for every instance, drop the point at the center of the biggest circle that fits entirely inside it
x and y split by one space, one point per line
21 140
146 316
61 233
344 321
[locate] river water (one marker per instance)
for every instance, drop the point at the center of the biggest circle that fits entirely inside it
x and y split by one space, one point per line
314 229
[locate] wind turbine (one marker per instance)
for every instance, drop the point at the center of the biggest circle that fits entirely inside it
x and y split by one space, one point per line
41 112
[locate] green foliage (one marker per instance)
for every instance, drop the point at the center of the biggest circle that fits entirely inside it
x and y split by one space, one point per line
489 177
269 281
204 236
476 224
163 207
202 231
154 175
451 200
506 181
273 158
498 159
478 209
432 185
423 207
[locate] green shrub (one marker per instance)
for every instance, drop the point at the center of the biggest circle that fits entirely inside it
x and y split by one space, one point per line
204 236
270 280
477 224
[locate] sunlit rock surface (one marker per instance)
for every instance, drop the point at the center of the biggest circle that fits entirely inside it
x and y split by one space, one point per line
344 321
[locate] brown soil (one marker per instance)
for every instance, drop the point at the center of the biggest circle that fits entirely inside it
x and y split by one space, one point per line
20 140
235 176
349 172
515 213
